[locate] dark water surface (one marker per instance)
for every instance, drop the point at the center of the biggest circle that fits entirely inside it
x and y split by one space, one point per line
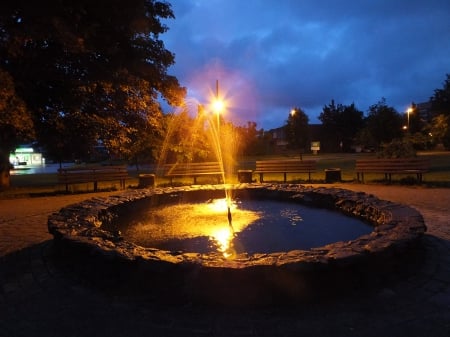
262 226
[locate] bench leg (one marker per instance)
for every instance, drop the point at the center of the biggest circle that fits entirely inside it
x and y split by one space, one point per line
261 180
95 186
285 176
362 177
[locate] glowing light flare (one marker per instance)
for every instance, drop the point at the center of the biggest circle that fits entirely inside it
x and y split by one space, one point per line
218 106
221 205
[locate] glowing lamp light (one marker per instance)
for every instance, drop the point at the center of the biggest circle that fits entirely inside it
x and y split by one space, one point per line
218 106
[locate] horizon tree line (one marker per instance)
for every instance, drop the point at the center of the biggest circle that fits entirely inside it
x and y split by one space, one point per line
76 75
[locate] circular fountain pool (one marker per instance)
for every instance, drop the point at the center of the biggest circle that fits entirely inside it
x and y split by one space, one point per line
262 226
90 229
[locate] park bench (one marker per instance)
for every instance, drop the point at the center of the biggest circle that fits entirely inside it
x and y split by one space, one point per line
193 170
79 175
285 167
390 166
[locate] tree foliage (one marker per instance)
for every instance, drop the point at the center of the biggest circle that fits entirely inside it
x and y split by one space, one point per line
89 71
297 131
440 105
341 124
441 99
185 138
383 123
249 139
16 124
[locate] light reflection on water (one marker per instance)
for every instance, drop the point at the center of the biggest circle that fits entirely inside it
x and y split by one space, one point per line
191 226
262 226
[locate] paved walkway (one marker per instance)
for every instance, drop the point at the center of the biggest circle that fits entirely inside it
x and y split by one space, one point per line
39 297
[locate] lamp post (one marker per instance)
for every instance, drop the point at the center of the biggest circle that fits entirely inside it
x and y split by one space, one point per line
293 112
217 105
410 110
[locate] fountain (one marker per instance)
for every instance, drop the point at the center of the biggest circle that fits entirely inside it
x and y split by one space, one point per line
155 258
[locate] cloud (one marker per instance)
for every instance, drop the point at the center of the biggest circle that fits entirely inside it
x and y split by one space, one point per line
272 55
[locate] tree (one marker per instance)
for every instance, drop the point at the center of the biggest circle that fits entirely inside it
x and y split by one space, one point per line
89 71
441 99
16 124
341 124
297 132
440 130
440 106
187 139
383 123
249 139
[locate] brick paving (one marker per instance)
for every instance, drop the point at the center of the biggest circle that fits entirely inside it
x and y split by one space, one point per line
39 296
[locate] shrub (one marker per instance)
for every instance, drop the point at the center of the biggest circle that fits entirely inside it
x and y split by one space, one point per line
397 148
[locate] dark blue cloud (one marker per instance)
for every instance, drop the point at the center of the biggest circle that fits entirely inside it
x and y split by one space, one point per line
272 55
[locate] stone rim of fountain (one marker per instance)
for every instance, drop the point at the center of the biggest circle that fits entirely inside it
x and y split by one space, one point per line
396 227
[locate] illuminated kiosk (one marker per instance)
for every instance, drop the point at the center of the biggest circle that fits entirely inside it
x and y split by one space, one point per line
25 156
85 232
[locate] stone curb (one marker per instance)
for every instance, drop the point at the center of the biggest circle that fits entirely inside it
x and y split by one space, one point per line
396 227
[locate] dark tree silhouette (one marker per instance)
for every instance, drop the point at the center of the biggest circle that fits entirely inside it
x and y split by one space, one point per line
341 123
297 131
383 123
89 71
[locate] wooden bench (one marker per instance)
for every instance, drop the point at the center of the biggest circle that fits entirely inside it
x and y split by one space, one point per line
285 167
78 175
193 170
390 166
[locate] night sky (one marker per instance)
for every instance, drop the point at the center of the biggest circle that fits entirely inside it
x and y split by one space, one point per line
272 55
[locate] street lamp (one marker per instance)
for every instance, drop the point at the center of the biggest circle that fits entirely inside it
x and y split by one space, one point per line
218 105
293 112
410 110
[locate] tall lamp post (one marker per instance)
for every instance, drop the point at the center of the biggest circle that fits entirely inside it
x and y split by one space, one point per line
218 105
410 110
293 113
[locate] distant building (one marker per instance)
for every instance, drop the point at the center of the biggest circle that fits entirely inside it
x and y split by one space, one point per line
424 111
26 156
280 142
279 138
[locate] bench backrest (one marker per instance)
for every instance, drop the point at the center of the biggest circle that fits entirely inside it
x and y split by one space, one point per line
392 164
92 173
286 165
192 168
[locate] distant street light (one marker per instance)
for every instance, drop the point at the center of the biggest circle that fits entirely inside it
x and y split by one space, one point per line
410 110
293 112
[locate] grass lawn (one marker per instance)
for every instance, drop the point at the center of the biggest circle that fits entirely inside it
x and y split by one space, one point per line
438 176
